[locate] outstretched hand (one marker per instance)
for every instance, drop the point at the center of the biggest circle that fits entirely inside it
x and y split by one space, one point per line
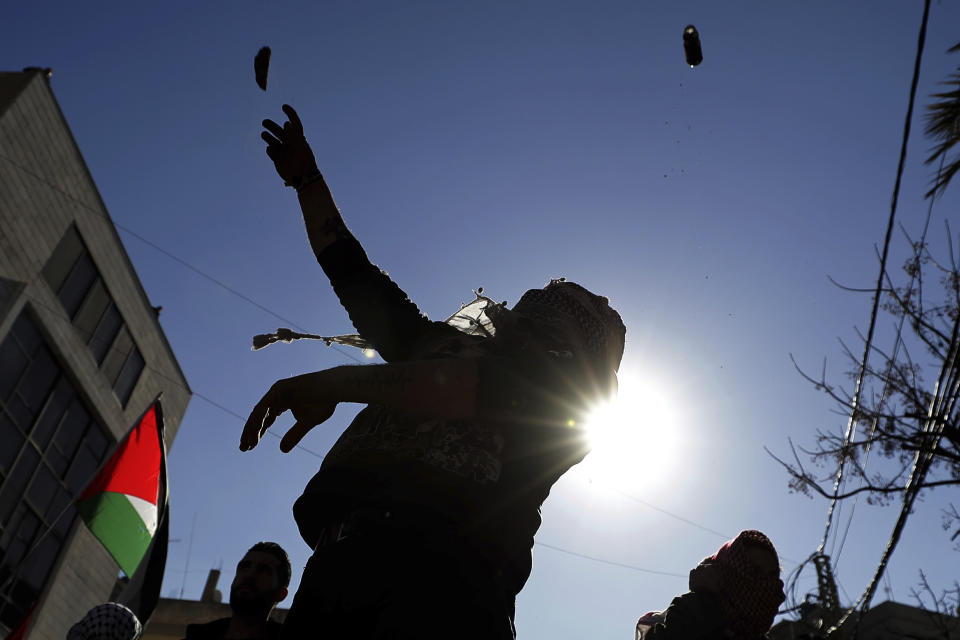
288 148
304 401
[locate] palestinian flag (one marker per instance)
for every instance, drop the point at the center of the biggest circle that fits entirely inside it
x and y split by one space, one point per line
127 500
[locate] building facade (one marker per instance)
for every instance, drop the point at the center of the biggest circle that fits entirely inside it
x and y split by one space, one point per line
82 355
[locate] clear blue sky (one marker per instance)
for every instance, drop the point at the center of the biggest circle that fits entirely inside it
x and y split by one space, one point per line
500 145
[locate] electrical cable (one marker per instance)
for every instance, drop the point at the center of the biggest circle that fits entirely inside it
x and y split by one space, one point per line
104 214
868 342
293 324
935 422
232 413
894 353
173 381
672 515
610 562
793 578
90 336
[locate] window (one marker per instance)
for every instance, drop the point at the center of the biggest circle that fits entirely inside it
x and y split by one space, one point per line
123 386
73 276
51 449
105 333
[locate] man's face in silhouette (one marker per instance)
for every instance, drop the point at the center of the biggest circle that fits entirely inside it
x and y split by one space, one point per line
257 586
566 321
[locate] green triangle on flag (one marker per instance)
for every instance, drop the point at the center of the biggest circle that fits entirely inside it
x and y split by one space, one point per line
115 520
120 505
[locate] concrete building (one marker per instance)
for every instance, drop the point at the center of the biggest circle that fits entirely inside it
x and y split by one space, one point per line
81 357
886 621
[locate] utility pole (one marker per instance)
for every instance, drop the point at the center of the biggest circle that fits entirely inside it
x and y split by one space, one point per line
827 596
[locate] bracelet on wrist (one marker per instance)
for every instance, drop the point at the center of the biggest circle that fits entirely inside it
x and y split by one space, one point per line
301 182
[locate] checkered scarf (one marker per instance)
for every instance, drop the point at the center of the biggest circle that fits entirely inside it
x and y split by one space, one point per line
110 621
749 598
599 324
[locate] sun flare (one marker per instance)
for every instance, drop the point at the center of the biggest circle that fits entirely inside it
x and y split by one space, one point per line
633 438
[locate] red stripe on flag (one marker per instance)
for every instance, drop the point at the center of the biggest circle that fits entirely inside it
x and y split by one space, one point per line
20 631
134 468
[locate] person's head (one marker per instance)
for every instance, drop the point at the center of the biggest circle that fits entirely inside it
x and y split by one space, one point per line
751 552
569 316
109 621
751 590
261 581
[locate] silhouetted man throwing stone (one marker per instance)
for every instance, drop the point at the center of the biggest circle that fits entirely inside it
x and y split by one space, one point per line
423 513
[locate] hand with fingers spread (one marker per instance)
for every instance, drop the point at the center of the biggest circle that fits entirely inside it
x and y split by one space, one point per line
289 150
436 387
297 395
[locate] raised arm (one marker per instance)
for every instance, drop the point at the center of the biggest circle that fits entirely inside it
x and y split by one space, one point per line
295 163
381 312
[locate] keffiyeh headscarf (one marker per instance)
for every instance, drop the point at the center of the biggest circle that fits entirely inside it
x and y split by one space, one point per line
749 597
110 621
601 328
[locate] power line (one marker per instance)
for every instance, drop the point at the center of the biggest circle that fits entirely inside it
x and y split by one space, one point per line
868 342
634 498
241 418
181 261
610 562
203 274
897 343
948 374
249 300
672 515
542 544
725 536
173 381
855 400
238 416
293 324
229 411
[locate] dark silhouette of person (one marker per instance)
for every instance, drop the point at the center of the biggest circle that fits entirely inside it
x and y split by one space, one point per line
734 595
261 581
422 515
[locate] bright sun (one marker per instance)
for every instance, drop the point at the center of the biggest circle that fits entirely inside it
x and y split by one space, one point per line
634 438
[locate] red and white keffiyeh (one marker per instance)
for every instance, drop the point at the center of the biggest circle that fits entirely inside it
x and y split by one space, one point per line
749 595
